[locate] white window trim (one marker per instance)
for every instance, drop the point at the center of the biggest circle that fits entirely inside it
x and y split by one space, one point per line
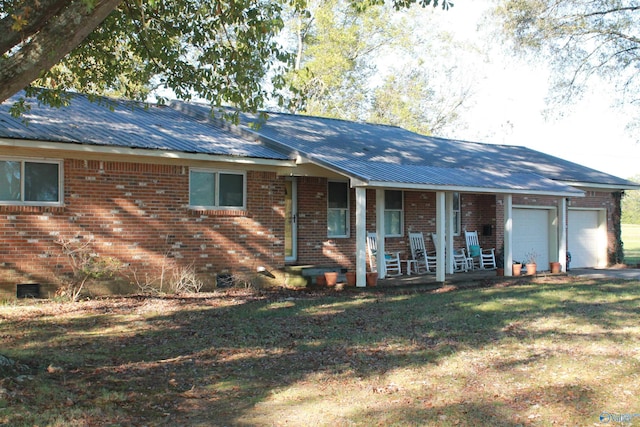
22 160
459 210
401 210
217 173
348 213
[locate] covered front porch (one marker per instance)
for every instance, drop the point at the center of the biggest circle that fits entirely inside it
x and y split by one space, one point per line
503 187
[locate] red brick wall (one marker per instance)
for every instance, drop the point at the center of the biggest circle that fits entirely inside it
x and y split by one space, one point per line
314 247
138 213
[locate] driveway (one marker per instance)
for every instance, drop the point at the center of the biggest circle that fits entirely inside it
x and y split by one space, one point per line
603 273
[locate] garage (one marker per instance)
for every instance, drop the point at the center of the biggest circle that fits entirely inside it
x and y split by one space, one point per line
586 238
532 232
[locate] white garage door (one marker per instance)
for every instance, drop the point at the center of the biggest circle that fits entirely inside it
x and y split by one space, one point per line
584 238
531 233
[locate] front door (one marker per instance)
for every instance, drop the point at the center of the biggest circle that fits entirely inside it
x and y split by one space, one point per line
290 218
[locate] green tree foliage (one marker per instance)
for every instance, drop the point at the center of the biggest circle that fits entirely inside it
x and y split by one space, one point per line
345 66
631 205
224 51
582 38
335 45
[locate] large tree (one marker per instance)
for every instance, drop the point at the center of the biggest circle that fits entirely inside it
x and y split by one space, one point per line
224 51
346 66
336 46
582 38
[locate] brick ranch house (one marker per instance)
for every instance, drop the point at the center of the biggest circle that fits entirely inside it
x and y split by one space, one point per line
144 184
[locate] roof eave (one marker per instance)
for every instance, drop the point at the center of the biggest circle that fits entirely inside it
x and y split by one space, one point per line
141 152
464 189
595 186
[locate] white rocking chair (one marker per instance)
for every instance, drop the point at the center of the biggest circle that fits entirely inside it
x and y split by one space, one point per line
391 259
482 258
461 262
425 262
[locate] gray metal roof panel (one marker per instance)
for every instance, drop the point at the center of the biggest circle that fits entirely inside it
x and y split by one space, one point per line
471 178
332 140
128 124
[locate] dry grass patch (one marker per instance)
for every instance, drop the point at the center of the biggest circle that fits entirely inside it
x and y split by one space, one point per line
556 352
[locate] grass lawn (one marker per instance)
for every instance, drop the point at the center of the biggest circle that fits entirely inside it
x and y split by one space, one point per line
558 351
631 239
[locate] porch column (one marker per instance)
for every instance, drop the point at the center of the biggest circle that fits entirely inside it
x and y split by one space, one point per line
361 236
440 231
382 267
449 232
508 235
562 233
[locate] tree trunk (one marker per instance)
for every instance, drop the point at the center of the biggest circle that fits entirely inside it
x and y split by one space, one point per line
56 38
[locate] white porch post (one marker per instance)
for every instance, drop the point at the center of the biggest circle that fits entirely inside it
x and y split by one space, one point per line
440 231
382 267
508 235
562 233
361 236
449 232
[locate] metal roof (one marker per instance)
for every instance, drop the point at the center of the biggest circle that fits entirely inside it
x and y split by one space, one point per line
117 123
419 176
372 154
335 141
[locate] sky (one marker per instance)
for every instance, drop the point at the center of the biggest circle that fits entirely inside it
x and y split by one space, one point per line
509 103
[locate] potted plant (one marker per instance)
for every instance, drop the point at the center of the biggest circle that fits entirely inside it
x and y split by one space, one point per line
351 278
517 268
331 277
372 278
530 262
554 267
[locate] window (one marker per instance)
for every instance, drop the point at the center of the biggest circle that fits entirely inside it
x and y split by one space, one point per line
393 214
456 214
338 209
26 182
216 189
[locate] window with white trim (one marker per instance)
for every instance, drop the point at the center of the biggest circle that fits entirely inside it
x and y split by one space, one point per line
337 209
213 189
30 182
456 214
393 213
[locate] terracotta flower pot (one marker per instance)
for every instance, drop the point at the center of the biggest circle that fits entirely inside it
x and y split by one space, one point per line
517 269
320 280
351 278
331 277
499 271
531 269
554 267
372 278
